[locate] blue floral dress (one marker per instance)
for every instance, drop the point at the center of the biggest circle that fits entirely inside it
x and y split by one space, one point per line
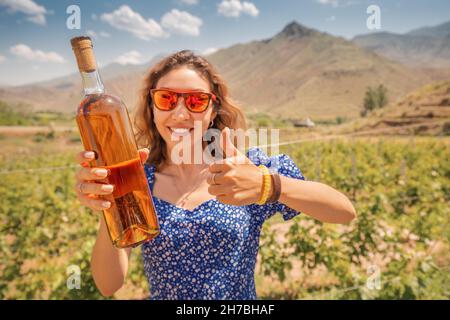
210 252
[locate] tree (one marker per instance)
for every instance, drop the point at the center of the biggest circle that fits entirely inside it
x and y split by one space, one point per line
375 98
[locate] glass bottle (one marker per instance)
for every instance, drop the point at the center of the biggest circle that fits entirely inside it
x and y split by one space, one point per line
105 128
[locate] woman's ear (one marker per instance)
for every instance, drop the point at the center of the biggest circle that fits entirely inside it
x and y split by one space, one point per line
213 115
217 103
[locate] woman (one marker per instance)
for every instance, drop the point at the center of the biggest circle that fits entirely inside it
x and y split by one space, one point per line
208 213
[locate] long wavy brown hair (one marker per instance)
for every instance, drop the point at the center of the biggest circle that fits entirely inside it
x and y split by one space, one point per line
229 114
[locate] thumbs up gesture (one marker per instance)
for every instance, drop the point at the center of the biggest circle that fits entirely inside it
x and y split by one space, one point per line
234 180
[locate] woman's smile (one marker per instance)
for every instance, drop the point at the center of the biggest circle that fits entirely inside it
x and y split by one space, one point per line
180 131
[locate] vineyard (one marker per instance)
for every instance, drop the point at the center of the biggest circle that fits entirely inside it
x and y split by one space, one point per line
397 248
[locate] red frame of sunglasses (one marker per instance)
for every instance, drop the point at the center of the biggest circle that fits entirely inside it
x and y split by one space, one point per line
184 93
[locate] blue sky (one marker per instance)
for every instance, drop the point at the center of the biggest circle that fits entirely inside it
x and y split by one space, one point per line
35 45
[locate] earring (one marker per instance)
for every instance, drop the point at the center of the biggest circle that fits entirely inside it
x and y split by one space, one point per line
211 124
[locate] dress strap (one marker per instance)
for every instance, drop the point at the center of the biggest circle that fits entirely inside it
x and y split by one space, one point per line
150 172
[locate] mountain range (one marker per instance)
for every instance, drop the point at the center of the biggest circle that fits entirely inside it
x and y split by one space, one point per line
298 72
301 72
423 47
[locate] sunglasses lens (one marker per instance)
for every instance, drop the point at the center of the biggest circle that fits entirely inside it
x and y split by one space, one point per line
197 102
165 100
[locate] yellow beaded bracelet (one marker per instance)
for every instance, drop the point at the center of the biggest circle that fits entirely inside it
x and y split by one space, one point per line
267 181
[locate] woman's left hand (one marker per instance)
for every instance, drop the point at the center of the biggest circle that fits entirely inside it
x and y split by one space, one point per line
234 180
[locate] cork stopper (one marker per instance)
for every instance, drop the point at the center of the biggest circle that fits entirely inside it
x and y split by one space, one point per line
84 53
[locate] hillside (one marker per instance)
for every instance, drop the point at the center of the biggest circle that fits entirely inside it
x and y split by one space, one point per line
297 73
423 111
423 47
64 93
301 72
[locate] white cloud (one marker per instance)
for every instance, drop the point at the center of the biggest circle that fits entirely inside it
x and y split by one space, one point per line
333 3
338 3
250 9
234 8
91 33
189 2
34 12
181 22
331 19
2 58
24 51
95 35
209 51
131 57
124 18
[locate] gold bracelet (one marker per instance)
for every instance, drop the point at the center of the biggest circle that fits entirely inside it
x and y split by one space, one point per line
267 181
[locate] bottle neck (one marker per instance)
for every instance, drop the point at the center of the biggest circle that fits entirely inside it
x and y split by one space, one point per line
92 83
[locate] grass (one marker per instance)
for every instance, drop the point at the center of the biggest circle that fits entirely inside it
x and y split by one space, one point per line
41 248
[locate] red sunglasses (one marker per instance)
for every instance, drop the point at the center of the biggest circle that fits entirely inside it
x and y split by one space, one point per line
195 101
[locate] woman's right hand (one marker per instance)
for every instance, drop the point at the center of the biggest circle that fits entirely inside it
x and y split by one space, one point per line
88 187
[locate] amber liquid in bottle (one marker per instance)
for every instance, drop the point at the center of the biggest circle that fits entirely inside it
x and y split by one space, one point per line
106 129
